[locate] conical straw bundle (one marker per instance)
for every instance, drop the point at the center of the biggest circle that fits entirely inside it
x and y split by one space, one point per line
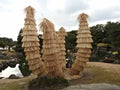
47 25
62 59
84 40
31 42
82 18
62 32
50 49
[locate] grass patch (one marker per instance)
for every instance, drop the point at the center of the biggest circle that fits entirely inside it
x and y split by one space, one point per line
11 86
102 76
19 84
92 74
95 74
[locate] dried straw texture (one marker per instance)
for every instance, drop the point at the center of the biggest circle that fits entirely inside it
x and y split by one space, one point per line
31 42
84 40
50 51
62 59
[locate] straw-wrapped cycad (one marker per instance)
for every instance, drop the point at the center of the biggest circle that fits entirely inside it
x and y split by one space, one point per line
84 40
31 42
50 51
62 58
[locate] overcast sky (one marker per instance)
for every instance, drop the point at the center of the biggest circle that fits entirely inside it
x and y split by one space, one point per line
60 12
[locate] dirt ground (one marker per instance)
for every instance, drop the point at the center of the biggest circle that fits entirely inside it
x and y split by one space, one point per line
95 72
98 72
115 68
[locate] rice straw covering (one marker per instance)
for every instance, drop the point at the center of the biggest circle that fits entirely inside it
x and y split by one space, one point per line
84 40
31 42
50 49
62 60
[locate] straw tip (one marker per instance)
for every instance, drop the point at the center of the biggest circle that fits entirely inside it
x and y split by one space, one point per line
82 16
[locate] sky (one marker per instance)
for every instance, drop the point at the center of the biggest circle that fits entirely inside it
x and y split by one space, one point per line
63 13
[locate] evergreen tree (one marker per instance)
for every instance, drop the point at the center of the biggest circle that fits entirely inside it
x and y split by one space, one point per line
23 64
18 47
6 42
113 33
71 40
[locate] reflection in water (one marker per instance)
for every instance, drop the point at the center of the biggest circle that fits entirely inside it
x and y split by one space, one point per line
8 71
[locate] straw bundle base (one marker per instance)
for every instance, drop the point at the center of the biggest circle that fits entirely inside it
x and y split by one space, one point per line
69 76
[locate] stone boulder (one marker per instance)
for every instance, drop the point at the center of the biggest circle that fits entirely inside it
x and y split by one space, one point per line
13 76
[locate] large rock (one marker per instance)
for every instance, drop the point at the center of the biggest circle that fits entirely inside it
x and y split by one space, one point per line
13 76
1 77
101 86
2 56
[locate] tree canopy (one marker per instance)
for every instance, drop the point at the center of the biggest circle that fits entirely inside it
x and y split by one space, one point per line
6 42
71 40
108 33
23 64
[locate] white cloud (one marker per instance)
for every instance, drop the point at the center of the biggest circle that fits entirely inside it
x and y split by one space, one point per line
61 13
75 5
54 5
